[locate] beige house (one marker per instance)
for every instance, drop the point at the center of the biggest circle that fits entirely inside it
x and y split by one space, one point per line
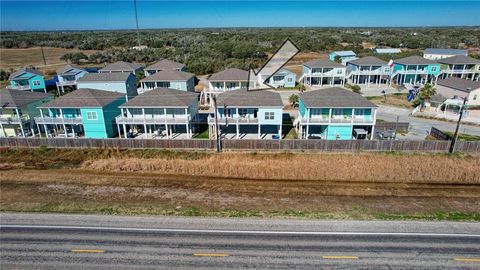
456 87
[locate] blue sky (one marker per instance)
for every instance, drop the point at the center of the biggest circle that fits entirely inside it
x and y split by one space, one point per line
86 15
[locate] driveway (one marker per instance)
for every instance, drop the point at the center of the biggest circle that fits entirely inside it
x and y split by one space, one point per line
419 127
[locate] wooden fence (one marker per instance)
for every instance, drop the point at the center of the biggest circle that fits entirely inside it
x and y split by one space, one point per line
251 145
400 126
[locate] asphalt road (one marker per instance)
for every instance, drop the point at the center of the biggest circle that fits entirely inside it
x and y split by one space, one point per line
103 242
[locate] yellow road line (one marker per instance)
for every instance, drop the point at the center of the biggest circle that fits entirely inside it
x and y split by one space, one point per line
211 254
340 257
468 259
88 250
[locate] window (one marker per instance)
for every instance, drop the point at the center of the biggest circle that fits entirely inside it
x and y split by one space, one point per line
434 69
269 116
289 80
36 83
92 116
337 113
277 78
243 112
475 97
339 72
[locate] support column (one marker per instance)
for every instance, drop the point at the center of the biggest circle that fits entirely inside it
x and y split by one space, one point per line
119 133
20 120
3 130
259 129
124 131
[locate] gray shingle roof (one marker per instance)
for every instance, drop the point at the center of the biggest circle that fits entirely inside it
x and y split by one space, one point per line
230 74
23 70
66 68
414 60
459 59
84 98
446 51
368 61
334 97
162 98
325 63
105 77
10 98
168 75
121 66
244 98
459 84
166 64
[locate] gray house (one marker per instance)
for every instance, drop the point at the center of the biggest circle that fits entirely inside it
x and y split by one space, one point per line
173 79
121 82
164 64
121 66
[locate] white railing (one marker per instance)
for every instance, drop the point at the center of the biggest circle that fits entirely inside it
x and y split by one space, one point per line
157 120
13 119
63 83
58 120
20 87
232 120
326 120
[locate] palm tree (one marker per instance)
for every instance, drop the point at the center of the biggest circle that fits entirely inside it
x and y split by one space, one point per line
426 93
293 99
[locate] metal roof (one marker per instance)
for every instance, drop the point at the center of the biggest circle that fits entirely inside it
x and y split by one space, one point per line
162 98
368 61
334 97
344 53
251 99
166 64
459 59
387 50
121 66
84 98
446 51
325 63
24 70
168 75
230 74
105 77
459 84
65 70
11 98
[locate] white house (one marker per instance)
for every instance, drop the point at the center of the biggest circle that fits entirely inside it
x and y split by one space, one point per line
435 54
323 73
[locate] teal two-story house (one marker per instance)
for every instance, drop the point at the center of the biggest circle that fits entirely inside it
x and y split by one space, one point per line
28 79
88 113
17 111
335 114
243 114
174 79
415 70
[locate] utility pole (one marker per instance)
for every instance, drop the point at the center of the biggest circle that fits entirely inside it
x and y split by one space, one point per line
455 136
136 21
217 137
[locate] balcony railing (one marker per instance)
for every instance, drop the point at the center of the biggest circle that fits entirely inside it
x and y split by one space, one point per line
157 120
58 120
344 120
20 87
232 120
65 83
369 72
13 119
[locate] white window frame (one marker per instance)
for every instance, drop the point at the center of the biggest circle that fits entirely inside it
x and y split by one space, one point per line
36 83
92 115
269 115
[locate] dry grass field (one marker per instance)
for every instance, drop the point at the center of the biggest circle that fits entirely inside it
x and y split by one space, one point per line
149 182
18 58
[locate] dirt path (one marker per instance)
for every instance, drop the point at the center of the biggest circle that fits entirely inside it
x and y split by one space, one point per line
75 190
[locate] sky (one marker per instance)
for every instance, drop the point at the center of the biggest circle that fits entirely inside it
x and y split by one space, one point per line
37 15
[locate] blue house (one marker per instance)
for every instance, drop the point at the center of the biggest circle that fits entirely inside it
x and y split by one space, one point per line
281 79
88 113
415 70
17 111
120 82
345 56
335 114
28 79
248 114
68 76
174 79
159 113
164 64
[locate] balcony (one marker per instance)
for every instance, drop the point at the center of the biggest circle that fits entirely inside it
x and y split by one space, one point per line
13 119
157 120
232 120
58 120
338 120
20 87
369 72
67 83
